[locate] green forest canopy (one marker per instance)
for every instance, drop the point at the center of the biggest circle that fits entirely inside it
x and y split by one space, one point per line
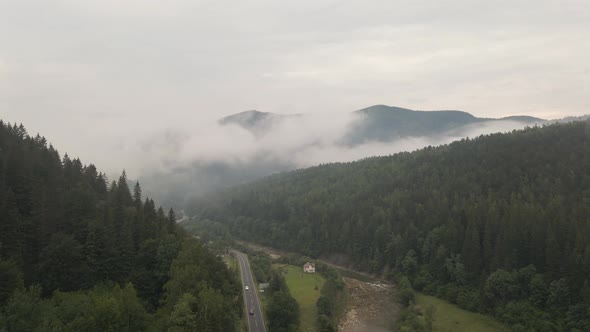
498 224
80 254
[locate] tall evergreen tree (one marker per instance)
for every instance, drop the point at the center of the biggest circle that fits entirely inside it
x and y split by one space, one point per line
63 228
171 221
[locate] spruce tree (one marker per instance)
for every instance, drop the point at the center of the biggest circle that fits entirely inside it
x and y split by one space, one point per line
171 221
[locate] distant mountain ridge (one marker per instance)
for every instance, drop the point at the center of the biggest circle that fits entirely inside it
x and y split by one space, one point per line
379 123
308 140
256 122
386 123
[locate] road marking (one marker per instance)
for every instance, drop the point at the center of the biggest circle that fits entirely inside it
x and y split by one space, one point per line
246 276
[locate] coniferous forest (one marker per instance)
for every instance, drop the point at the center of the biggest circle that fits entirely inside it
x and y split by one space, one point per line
499 224
80 253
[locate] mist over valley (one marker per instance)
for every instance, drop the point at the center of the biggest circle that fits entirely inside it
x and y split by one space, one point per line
248 145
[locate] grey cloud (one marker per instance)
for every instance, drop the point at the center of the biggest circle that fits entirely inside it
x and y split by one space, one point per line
99 78
215 156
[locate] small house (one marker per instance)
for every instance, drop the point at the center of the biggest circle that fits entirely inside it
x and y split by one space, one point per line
262 286
309 267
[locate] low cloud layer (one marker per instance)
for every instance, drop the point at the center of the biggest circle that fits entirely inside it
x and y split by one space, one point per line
190 161
337 153
139 84
210 142
298 141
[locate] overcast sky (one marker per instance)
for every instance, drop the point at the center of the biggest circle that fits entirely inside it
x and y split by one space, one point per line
104 73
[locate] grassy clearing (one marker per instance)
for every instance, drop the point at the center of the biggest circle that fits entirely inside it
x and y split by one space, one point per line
232 263
305 288
449 317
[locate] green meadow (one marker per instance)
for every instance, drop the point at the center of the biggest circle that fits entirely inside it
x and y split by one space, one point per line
305 288
449 317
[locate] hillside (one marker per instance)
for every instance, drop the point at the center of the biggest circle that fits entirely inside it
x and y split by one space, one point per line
253 144
497 224
78 253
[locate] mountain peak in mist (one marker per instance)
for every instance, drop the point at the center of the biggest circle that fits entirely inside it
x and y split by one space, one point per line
386 123
258 123
385 110
523 118
246 118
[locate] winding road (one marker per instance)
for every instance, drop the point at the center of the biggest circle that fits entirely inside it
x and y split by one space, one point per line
255 321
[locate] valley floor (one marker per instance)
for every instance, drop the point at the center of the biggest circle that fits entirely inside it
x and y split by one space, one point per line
305 288
371 306
449 317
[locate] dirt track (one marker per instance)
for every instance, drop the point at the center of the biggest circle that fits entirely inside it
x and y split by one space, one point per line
371 306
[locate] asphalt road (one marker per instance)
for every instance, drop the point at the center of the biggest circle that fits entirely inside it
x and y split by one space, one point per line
256 321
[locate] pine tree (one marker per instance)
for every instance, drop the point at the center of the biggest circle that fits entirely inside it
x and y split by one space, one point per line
171 221
10 227
137 195
124 194
472 249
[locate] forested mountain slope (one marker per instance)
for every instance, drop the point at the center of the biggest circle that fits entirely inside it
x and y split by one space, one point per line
498 224
79 254
252 144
